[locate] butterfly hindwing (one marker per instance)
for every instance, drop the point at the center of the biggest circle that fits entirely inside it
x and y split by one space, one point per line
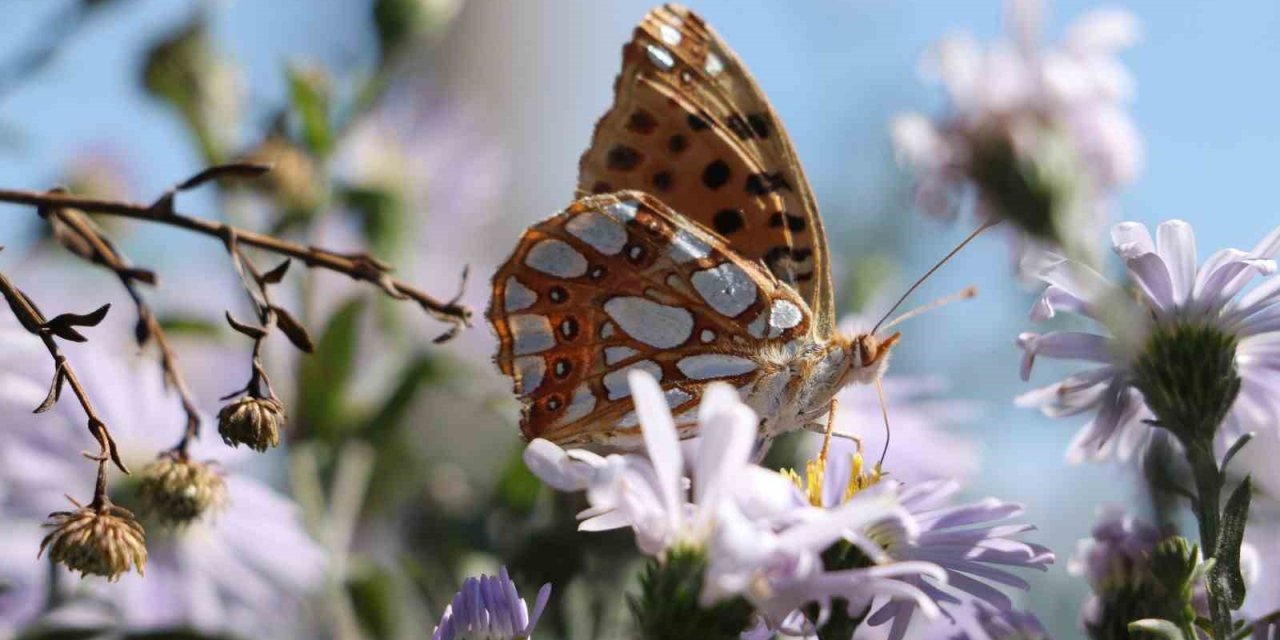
621 281
690 125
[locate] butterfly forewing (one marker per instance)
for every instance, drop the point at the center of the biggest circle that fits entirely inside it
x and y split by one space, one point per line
620 281
690 125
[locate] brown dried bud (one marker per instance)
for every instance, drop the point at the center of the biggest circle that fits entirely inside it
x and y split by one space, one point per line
101 541
251 421
178 491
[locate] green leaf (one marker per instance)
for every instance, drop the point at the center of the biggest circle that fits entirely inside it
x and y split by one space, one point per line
189 325
423 371
309 92
518 488
399 468
1158 628
382 216
323 377
1231 535
373 594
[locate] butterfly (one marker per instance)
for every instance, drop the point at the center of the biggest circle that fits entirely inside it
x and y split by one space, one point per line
699 256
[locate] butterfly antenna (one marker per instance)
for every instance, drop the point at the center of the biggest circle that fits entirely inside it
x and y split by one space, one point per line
884 413
977 232
963 294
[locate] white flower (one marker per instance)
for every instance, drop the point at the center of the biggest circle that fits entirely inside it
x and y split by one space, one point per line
1172 291
761 537
781 571
648 494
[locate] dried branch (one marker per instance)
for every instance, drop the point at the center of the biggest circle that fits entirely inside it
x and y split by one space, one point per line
29 315
75 231
359 266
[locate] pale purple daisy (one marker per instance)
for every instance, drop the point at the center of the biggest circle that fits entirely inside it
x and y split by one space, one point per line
1030 128
240 571
490 608
975 545
1172 290
1119 548
1003 624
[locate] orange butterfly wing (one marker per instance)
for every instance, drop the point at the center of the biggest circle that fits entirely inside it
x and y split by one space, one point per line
691 126
621 281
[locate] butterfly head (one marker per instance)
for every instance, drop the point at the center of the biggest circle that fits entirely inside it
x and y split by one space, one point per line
868 355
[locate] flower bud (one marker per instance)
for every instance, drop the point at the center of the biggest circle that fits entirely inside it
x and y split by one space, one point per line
101 541
1187 375
668 605
1034 185
251 421
177 492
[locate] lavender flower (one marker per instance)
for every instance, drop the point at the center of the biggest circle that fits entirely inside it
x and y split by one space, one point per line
1179 306
1039 135
1004 624
489 608
970 542
238 572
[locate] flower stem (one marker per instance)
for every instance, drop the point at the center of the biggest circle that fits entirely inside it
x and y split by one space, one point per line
1209 482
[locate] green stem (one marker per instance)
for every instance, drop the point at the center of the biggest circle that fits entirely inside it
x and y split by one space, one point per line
1208 489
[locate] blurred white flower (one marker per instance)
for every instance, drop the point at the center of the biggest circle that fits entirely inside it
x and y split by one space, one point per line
490 608
242 571
1037 135
921 447
1173 294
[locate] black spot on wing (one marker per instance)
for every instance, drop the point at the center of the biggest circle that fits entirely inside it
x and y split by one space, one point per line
663 180
623 158
641 122
759 124
716 174
728 221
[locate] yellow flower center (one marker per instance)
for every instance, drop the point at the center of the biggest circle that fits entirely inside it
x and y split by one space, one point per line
815 478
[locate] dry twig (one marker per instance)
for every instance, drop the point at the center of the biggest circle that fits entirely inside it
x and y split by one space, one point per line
359 266
64 326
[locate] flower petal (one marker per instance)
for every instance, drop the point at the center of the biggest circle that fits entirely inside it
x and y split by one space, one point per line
661 441
1176 244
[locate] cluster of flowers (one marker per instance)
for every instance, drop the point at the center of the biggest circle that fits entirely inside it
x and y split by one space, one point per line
777 552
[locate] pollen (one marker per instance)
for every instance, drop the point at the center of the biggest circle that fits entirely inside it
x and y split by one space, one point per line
814 479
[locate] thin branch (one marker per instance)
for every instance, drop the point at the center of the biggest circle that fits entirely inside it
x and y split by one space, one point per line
81 236
359 266
33 321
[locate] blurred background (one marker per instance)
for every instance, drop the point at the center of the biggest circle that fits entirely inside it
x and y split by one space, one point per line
432 138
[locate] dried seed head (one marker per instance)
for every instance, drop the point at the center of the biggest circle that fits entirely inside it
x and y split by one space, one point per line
251 421
101 541
177 492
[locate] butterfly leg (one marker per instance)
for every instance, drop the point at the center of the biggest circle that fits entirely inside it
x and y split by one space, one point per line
828 432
